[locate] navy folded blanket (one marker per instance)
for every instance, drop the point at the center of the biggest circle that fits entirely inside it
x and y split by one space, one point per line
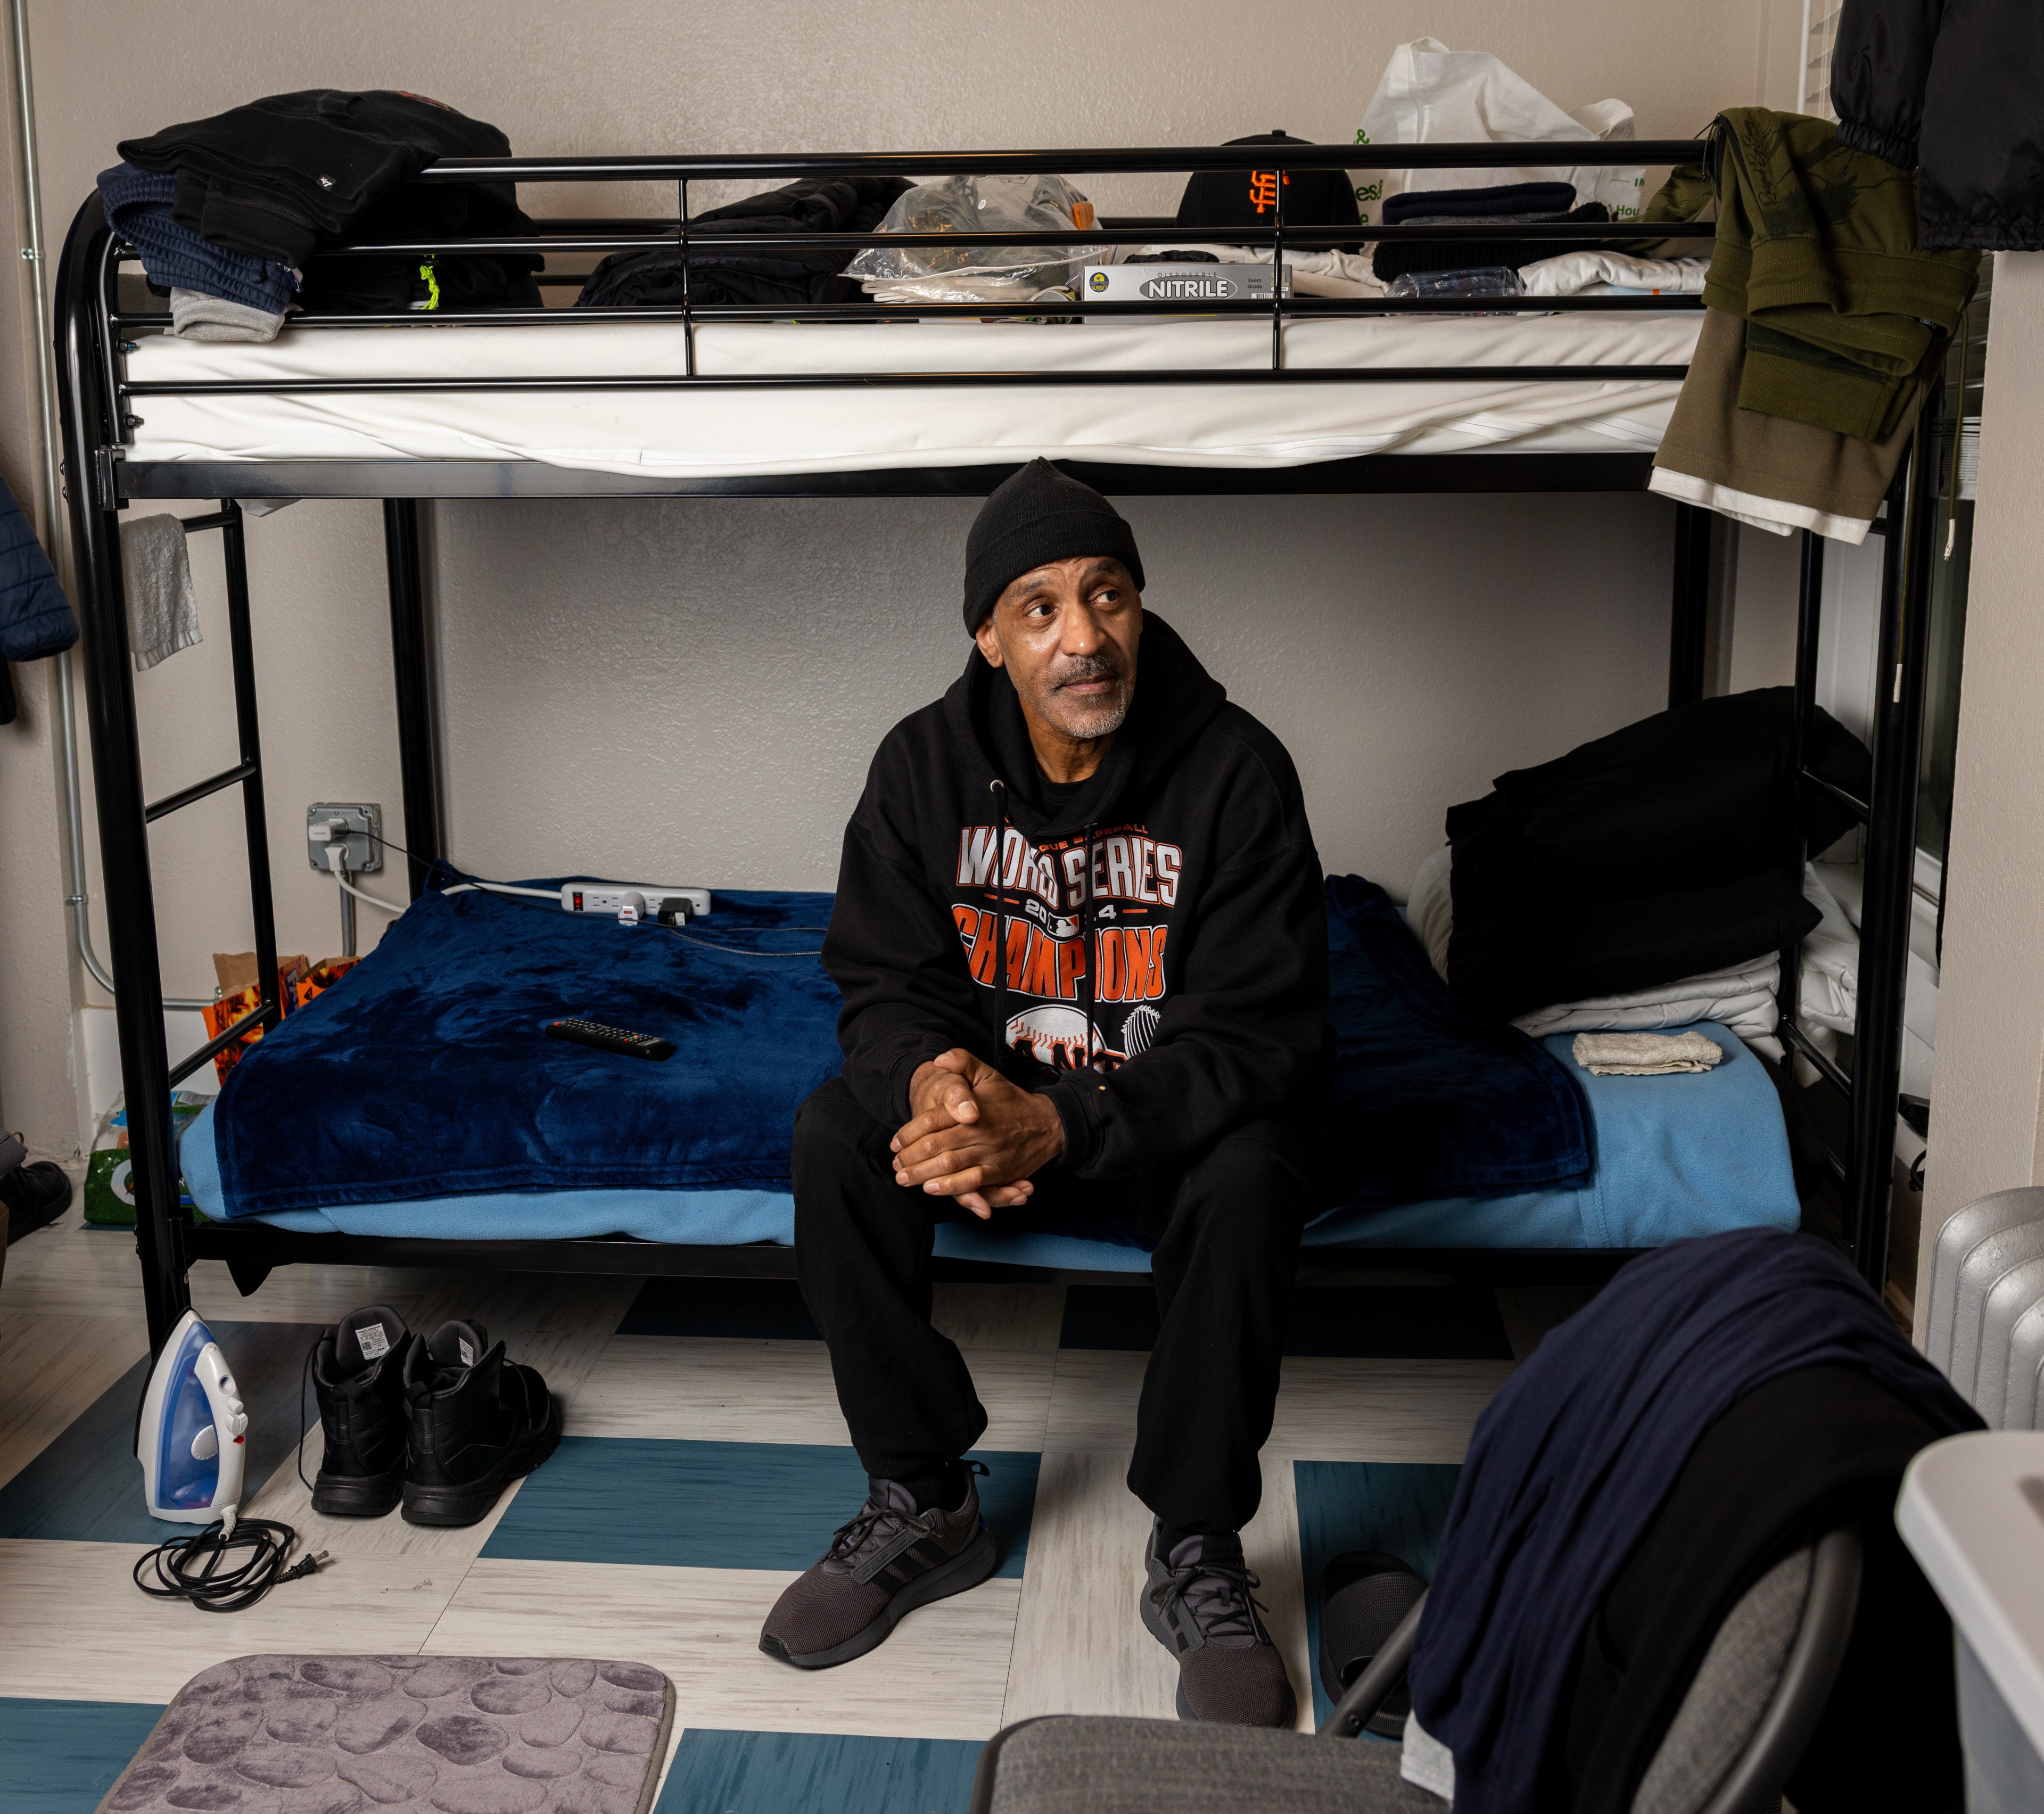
427 1072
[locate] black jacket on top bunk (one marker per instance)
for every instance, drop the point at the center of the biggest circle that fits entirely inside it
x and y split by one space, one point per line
272 178
430 211
963 917
825 205
282 176
1659 852
1955 93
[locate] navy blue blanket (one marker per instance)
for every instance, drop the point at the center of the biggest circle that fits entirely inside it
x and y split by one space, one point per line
1571 1459
426 1074
1429 1100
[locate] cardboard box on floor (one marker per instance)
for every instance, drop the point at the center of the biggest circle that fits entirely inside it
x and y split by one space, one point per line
235 971
239 995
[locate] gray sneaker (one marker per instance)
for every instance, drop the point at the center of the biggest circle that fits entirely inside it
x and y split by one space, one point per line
1198 1606
888 1560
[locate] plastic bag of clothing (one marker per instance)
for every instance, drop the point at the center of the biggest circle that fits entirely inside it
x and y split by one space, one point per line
1430 93
984 205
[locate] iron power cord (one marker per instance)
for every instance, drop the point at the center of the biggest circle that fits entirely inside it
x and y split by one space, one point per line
195 1568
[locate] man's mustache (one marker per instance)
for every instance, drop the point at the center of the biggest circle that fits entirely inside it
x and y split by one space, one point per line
1086 667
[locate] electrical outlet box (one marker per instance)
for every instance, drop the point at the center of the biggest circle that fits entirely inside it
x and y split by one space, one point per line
356 823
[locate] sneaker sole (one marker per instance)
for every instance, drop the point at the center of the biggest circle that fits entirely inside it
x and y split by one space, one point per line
1153 1622
469 1503
967 1568
357 1495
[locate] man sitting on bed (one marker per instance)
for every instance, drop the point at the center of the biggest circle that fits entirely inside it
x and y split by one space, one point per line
1082 940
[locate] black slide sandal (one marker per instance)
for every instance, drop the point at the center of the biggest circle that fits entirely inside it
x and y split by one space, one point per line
1363 1595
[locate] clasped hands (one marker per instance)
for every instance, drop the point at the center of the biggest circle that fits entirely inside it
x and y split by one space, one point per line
974 1136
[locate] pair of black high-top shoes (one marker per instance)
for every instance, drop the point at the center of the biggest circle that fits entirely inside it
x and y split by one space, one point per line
441 1422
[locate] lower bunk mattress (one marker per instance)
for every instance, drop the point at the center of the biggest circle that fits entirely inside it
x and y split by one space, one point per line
1676 1156
590 419
382 1107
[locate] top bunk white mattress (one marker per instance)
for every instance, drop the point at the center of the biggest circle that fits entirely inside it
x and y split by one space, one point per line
710 433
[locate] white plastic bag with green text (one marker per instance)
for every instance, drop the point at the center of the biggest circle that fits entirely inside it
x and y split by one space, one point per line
1430 94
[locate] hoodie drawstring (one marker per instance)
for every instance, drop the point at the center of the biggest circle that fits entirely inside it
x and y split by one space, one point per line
999 789
1088 948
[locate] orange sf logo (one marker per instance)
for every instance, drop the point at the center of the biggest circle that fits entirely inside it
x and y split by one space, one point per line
1263 188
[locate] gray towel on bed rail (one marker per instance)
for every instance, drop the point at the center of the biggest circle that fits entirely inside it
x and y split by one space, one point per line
162 615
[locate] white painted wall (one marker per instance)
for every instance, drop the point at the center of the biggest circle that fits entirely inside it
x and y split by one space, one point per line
701 684
1987 1112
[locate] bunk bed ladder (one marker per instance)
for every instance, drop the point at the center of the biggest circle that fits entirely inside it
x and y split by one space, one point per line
1864 1171
418 728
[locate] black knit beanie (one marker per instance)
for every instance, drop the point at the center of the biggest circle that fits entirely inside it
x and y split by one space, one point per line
1040 515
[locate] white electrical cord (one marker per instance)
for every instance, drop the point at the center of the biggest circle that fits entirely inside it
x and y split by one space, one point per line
336 855
552 894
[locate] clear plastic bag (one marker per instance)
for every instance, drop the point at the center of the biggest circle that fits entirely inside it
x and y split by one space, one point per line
1490 280
983 204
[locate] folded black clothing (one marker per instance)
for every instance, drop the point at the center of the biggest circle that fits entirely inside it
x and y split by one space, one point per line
426 211
272 177
1685 798
826 205
1571 949
1490 204
1394 259
1661 851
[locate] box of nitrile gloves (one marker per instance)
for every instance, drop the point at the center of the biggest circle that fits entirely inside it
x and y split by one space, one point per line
1181 280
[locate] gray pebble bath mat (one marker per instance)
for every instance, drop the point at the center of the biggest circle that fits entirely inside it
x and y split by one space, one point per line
302 1735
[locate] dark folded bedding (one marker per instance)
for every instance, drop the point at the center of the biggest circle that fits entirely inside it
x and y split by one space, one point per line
428 1073
1661 851
662 276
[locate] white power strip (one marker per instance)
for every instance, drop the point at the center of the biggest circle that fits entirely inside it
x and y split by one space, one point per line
611 898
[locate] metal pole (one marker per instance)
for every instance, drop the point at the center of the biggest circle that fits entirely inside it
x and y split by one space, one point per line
1891 852
1809 618
418 741
110 696
1688 629
255 821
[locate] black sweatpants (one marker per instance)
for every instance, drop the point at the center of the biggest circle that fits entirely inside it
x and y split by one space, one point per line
1227 1228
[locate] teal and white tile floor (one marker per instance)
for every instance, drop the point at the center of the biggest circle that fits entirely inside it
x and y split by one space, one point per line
705 1464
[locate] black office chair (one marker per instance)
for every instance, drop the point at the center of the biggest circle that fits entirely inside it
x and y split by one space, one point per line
1750 1710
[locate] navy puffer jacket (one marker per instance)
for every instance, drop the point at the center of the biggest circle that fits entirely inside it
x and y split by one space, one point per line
35 615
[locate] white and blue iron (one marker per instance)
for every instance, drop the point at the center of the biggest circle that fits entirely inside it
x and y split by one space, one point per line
192 1437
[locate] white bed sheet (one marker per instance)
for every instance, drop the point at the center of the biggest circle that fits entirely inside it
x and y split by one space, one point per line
738 433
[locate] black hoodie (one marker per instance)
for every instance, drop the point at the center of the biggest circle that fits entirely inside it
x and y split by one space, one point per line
1181 996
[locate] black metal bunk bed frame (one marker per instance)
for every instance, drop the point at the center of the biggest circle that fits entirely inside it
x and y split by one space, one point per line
99 410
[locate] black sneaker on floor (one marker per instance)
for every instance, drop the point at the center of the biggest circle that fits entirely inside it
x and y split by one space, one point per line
36 1192
888 1560
358 1370
477 1421
1197 1605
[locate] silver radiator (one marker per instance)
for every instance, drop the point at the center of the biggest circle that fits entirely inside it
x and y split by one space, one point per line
1985 1327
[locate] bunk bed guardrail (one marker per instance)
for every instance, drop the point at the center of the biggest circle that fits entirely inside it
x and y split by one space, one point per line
100 412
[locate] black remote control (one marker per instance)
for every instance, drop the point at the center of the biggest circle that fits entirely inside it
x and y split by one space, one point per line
604 1038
